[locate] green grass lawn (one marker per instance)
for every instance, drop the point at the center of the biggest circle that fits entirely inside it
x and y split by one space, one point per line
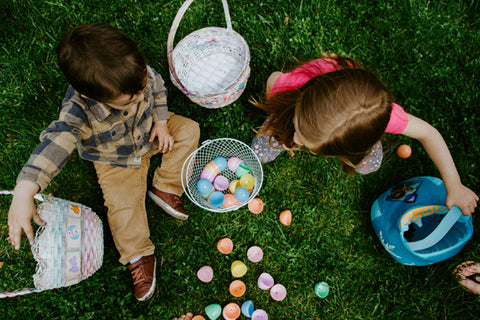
427 52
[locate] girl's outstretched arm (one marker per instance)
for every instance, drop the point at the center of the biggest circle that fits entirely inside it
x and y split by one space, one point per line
436 148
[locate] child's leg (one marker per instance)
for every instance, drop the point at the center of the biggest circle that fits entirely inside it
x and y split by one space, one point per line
186 132
124 191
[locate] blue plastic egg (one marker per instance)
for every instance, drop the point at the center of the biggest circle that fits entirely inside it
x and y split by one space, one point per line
216 199
247 308
242 194
221 163
205 188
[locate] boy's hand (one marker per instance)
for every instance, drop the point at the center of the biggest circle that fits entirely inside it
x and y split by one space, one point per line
22 210
160 131
462 197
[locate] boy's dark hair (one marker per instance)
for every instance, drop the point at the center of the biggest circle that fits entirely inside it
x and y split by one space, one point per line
101 62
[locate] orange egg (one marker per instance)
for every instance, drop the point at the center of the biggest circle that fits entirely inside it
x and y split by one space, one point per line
198 318
404 151
237 288
286 217
232 310
230 201
255 205
225 245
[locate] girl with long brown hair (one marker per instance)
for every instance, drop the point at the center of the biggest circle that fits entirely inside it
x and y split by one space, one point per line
333 107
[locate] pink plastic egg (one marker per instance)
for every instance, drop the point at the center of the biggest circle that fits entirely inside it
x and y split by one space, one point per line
233 163
205 274
278 292
255 254
265 281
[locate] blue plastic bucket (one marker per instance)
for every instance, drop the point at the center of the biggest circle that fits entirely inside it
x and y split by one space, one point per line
414 225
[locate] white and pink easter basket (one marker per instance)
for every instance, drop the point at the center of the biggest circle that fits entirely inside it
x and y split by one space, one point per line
210 65
68 249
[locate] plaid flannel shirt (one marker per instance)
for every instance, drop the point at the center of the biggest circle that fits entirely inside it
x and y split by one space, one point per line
100 133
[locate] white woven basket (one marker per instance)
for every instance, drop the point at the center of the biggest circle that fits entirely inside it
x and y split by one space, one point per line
68 249
210 65
224 147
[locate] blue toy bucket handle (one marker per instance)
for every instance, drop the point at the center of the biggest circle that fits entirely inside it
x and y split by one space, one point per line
439 232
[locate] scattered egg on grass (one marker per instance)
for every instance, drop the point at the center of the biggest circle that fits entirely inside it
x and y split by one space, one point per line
225 245
404 151
255 205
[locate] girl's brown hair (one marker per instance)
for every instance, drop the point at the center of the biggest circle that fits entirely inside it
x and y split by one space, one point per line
341 113
101 62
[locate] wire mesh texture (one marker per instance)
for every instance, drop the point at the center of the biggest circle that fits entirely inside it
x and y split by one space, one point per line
223 147
68 248
210 65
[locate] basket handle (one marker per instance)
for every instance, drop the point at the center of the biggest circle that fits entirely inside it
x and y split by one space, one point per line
173 31
448 221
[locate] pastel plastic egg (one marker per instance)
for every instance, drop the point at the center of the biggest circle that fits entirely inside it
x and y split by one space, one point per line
237 288
231 311
213 311
254 254
278 292
265 281
233 163
225 245
255 205
322 289
230 201
285 217
216 199
220 183
205 274
247 308
238 269
259 314
199 317
242 194
214 166
247 181
221 163
234 184
208 173
205 188
242 170
404 151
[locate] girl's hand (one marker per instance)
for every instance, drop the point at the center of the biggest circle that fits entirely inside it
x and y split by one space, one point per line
22 210
462 197
160 131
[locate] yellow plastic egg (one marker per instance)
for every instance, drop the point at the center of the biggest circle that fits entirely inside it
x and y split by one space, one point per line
238 269
234 184
247 181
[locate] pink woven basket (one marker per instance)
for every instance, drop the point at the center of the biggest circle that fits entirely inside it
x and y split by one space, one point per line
68 249
210 65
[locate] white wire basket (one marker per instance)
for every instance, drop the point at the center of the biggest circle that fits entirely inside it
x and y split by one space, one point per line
224 147
210 65
68 249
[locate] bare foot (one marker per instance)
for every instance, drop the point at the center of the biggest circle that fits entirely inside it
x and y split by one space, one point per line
187 316
469 274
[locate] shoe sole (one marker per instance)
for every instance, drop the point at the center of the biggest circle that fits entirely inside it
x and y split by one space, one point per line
162 204
150 292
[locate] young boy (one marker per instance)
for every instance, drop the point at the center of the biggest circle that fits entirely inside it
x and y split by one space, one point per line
115 113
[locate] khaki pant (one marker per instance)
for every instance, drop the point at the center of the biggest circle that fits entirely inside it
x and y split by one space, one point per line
124 189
